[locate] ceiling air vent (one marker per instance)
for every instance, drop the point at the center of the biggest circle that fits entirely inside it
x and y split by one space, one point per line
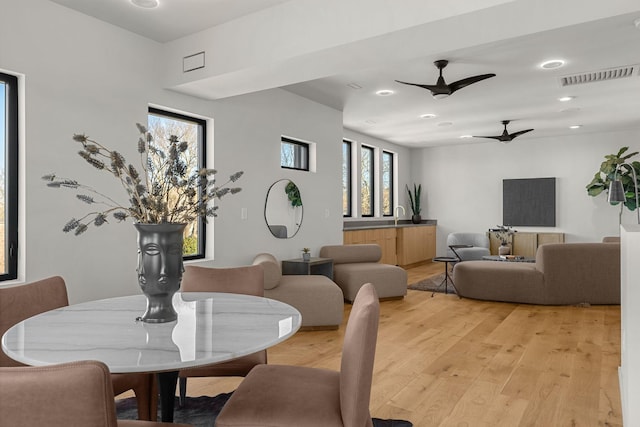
599 76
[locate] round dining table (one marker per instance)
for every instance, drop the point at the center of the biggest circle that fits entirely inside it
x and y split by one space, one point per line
211 328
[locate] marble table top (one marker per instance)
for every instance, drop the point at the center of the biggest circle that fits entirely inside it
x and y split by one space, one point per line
211 327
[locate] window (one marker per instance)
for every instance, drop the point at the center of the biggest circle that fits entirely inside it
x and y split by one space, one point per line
8 177
346 178
294 154
387 183
164 124
367 188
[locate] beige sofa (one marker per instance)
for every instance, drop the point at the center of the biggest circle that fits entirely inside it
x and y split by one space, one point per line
316 297
355 265
563 273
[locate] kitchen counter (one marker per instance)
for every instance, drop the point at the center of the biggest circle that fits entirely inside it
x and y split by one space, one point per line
366 225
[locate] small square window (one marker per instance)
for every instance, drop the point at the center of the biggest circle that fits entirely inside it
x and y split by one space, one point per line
294 154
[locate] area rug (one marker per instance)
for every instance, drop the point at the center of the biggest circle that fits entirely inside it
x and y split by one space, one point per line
202 411
431 284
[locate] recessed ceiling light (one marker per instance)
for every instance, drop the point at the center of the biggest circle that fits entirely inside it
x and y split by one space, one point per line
566 98
575 127
427 116
551 64
466 136
147 4
385 92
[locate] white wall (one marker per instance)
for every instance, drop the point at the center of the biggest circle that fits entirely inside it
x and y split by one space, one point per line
462 185
84 76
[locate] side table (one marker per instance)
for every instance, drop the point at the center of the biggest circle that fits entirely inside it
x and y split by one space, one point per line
447 277
320 266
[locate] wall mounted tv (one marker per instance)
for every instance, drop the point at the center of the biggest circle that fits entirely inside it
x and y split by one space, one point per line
529 202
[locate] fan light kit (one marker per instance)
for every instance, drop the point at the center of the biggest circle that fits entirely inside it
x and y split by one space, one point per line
147 4
566 98
575 127
428 116
551 64
441 89
466 136
385 92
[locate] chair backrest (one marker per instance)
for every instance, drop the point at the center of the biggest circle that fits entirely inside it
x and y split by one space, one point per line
347 254
475 239
20 302
358 353
77 394
248 280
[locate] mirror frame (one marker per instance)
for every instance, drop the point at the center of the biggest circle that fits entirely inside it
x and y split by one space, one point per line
293 200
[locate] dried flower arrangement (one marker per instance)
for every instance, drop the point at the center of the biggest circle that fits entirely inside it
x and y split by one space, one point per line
167 191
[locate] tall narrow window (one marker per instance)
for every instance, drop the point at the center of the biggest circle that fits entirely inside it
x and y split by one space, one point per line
367 188
294 154
8 177
346 178
387 183
164 125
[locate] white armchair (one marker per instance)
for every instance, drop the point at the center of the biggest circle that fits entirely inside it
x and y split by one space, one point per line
477 246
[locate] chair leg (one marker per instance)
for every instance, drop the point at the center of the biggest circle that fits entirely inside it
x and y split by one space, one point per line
183 390
146 400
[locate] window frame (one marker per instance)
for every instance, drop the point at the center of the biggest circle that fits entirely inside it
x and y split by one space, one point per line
391 157
372 181
348 174
202 163
305 158
11 176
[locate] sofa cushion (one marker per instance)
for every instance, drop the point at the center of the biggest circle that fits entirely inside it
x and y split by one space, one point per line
272 270
343 254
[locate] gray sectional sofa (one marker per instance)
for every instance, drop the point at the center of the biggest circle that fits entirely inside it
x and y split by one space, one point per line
563 273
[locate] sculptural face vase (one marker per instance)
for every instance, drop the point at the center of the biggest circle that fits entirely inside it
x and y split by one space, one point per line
160 268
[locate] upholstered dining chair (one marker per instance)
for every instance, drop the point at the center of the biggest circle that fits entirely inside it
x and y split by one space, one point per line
76 394
279 395
247 280
20 302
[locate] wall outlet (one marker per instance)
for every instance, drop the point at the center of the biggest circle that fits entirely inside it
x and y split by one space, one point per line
243 213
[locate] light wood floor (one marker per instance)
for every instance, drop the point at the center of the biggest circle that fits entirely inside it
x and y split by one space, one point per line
445 361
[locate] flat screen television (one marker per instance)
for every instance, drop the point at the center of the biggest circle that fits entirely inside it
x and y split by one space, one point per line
529 202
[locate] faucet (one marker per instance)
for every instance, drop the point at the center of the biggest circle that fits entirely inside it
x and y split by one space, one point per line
395 214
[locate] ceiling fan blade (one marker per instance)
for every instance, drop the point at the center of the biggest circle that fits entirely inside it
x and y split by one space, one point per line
428 87
498 137
469 80
513 135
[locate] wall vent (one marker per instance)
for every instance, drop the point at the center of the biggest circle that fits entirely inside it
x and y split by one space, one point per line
599 76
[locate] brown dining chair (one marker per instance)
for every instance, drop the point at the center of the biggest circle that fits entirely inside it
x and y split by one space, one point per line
295 396
247 280
20 302
75 394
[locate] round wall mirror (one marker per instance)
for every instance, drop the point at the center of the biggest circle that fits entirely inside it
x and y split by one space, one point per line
283 209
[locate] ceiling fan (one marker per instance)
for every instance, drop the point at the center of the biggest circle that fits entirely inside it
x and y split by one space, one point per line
441 89
506 136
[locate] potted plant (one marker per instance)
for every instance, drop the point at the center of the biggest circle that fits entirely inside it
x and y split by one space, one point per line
306 254
163 196
503 233
414 200
607 173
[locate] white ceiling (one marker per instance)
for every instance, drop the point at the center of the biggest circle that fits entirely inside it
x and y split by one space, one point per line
521 91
